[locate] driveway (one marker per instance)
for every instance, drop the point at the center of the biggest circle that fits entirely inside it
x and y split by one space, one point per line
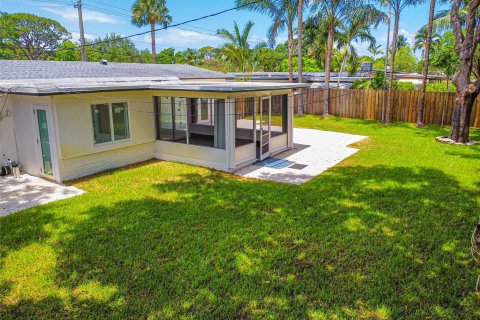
28 191
313 152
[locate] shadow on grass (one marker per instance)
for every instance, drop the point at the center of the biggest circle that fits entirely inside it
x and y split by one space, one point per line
372 242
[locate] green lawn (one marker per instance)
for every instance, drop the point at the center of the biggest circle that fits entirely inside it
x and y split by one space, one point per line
384 235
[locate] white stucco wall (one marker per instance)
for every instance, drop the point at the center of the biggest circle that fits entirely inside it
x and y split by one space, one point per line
196 155
7 134
25 131
79 156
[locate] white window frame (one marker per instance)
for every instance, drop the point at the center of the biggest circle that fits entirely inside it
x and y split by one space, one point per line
112 131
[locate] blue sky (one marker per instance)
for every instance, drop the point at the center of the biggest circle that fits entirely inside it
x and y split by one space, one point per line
105 16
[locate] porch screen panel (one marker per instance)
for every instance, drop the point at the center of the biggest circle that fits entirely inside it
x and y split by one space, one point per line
165 118
180 115
279 114
219 127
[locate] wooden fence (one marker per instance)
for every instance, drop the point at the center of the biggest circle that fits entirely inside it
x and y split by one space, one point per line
367 104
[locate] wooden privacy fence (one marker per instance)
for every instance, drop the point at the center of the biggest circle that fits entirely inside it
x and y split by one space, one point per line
367 104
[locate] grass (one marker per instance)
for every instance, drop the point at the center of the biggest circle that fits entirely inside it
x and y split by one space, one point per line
384 235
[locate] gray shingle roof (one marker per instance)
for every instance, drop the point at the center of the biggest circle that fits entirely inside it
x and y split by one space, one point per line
25 69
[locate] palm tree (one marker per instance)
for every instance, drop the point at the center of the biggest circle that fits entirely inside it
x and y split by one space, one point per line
402 41
151 12
421 39
314 39
283 14
335 13
238 51
358 30
375 51
442 22
421 104
397 7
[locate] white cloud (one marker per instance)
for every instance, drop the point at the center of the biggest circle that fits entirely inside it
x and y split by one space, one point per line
71 14
88 36
182 38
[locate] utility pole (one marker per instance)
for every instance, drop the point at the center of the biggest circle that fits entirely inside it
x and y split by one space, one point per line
82 34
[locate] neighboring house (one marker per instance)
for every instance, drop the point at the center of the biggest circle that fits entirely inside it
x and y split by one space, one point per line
417 78
309 77
65 120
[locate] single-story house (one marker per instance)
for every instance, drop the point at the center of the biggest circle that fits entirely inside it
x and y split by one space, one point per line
65 120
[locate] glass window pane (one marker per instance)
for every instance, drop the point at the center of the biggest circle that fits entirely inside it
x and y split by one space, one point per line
204 112
44 141
219 128
279 115
180 118
101 123
120 121
165 116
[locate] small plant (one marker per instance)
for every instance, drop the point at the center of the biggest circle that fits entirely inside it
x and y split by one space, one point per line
376 83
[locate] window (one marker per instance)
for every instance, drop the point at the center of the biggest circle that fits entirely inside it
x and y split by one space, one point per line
110 122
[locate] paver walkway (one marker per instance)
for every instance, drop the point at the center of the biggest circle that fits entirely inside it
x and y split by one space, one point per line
314 151
29 191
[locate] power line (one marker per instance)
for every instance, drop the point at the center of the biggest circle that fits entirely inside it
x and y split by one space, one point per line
163 28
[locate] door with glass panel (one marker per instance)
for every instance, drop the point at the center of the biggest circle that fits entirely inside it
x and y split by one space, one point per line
264 114
43 141
180 118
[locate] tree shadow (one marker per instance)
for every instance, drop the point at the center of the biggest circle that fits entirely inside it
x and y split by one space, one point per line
372 242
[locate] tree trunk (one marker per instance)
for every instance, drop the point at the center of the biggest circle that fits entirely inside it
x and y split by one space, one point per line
344 62
154 51
464 102
290 51
328 57
388 109
300 56
421 104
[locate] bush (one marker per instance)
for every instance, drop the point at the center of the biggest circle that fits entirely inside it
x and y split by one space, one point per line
375 83
404 86
440 87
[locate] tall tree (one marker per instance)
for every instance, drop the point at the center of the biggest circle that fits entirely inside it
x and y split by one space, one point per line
151 12
402 41
358 29
375 51
397 7
444 57
421 39
423 89
467 87
315 39
335 13
237 50
31 37
283 13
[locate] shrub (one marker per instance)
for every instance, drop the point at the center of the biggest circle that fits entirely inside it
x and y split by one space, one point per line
440 87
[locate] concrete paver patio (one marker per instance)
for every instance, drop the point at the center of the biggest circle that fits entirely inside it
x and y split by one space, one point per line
314 151
28 191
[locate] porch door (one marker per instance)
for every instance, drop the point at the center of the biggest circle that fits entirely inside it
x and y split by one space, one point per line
43 141
265 126
180 118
